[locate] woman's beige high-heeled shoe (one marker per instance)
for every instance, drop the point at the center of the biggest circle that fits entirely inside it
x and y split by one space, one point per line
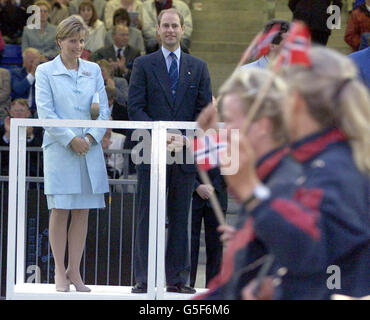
61 285
80 287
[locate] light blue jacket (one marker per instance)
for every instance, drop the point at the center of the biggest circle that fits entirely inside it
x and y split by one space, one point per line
59 97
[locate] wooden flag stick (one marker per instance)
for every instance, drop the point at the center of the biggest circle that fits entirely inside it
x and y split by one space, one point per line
203 174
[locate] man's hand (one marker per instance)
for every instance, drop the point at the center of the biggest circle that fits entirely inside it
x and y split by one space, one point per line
34 65
29 132
79 145
175 142
205 190
122 64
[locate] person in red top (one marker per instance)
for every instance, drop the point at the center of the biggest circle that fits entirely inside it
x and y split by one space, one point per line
358 24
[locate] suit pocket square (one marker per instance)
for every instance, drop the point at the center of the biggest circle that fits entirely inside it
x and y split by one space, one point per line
192 87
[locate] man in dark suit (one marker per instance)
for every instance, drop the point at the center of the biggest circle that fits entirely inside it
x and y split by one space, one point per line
167 85
314 14
23 79
120 54
202 210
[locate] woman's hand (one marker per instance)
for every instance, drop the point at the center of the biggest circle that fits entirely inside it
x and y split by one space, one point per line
79 145
227 233
242 179
266 291
208 118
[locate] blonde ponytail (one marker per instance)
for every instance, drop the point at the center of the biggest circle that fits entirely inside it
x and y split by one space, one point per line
336 98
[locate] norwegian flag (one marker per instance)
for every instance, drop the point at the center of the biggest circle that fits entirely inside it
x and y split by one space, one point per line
207 151
262 47
295 47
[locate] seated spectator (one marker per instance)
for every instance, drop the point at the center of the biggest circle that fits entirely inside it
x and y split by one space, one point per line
114 161
120 55
5 91
42 39
362 61
135 40
274 46
119 85
358 23
151 10
133 7
19 109
23 79
98 4
96 35
59 11
13 17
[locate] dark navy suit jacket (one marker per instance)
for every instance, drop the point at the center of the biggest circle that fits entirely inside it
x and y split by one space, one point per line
150 98
20 86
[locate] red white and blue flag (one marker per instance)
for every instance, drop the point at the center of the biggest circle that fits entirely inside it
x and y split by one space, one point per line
262 47
295 47
208 150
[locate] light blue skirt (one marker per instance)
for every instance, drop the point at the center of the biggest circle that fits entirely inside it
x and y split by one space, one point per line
84 200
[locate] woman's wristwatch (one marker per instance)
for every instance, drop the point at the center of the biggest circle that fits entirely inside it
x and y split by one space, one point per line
260 193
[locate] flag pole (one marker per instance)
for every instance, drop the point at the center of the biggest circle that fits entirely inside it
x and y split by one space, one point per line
203 174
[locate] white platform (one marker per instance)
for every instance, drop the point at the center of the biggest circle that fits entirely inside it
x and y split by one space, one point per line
32 291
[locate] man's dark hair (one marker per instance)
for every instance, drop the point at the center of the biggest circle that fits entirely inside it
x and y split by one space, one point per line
284 28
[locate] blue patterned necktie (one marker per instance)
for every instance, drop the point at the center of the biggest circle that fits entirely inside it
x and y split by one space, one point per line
174 75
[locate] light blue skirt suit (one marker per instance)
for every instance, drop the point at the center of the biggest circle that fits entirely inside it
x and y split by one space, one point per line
72 181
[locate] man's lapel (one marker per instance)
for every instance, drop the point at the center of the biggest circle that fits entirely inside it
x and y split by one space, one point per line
160 71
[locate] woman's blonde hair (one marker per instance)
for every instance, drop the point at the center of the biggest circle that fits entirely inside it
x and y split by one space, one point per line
336 98
247 83
43 3
69 27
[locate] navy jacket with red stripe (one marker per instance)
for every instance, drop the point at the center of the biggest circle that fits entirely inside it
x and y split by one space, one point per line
274 169
320 230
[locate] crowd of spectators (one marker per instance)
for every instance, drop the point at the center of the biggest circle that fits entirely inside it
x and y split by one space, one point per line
119 32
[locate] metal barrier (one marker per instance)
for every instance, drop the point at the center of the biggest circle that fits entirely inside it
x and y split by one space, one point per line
17 287
101 240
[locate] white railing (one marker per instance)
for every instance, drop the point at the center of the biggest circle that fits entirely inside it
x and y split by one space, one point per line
16 286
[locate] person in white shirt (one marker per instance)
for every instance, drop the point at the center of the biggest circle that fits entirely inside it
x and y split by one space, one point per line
96 36
274 46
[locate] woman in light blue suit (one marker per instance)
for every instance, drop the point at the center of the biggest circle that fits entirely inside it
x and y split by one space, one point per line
74 166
